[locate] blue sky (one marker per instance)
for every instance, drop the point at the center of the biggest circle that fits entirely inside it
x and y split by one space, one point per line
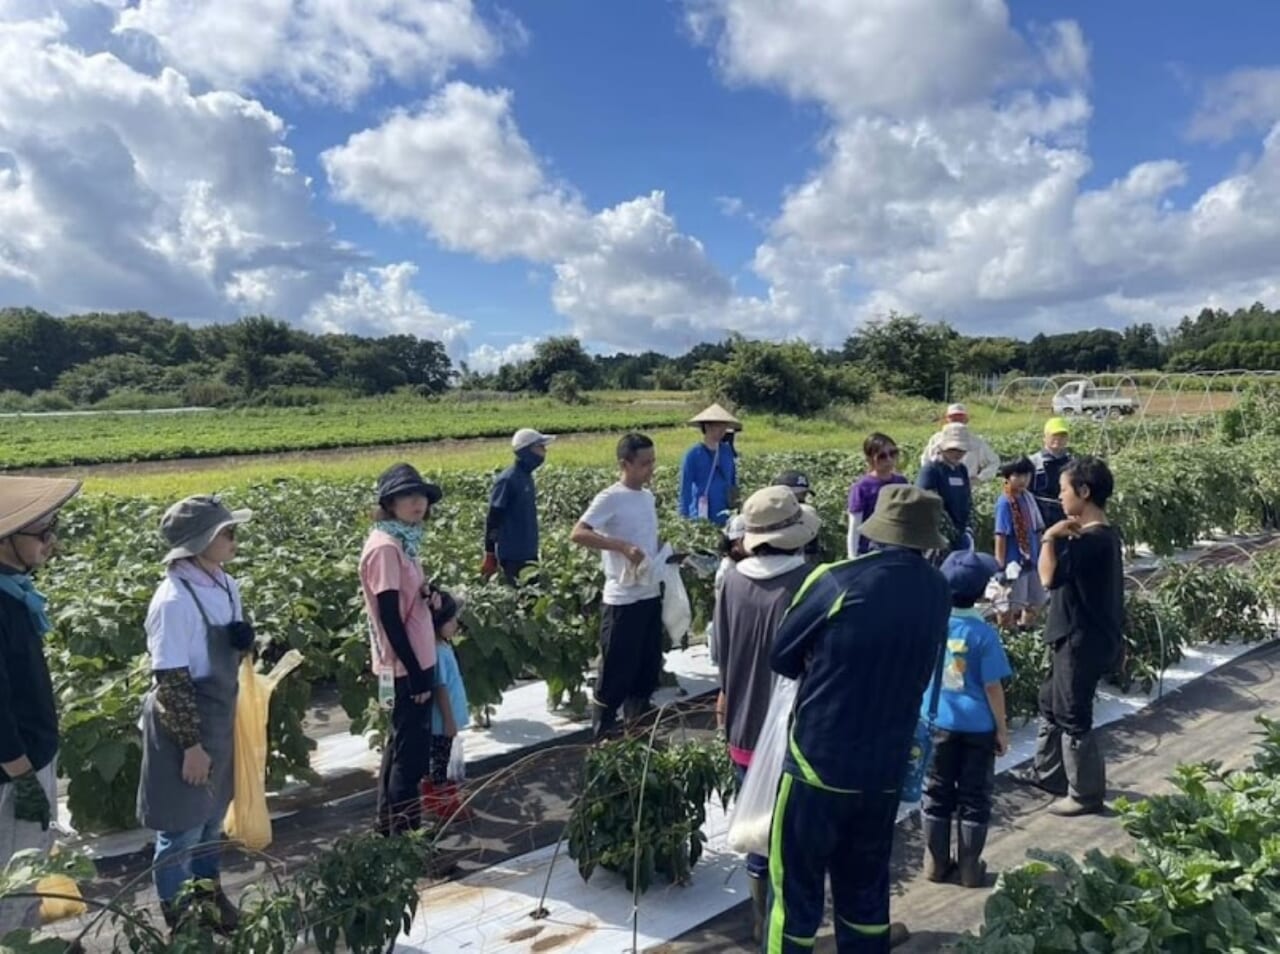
641 174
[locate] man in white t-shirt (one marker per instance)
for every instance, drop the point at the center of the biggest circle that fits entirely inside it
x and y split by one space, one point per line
622 523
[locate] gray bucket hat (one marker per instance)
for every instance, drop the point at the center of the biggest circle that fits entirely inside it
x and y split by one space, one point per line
190 525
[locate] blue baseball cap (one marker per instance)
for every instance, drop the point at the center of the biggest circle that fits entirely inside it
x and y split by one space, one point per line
968 572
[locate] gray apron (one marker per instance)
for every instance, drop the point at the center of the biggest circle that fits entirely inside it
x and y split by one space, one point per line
165 801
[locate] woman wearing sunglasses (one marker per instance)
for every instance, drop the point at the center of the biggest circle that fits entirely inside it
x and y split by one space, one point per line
28 713
881 453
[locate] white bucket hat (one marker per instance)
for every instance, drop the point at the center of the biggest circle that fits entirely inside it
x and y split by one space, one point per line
955 437
774 516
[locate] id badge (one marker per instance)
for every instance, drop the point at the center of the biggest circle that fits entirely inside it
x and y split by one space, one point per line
704 508
386 689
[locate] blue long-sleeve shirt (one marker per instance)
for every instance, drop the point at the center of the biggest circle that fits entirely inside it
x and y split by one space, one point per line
863 637
710 474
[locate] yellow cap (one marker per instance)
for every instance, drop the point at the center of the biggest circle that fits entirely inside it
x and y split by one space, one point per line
1056 425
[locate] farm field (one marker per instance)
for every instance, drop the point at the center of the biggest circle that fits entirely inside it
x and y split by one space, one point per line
588 442
61 440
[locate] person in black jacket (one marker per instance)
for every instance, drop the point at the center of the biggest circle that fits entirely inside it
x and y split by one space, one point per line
511 527
28 712
863 637
1081 565
948 477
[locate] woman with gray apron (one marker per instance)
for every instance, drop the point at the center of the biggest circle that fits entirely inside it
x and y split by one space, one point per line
197 635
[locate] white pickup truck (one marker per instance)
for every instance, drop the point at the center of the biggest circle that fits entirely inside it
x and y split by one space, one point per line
1084 397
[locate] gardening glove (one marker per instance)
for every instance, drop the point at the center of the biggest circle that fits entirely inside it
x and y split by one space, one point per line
30 803
490 565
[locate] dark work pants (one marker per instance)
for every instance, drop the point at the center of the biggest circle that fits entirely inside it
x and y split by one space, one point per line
406 757
630 654
961 776
1068 758
511 570
818 834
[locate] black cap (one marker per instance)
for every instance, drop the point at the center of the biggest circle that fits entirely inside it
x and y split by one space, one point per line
793 479
401 479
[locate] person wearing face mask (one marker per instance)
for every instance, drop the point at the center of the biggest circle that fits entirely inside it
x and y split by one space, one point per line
1050 461
511 528
197 635
403 639
28 709
709 471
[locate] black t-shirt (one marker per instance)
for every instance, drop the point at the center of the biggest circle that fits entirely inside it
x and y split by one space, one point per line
1086 598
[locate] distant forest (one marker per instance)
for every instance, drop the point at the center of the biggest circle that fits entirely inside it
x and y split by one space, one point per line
133 359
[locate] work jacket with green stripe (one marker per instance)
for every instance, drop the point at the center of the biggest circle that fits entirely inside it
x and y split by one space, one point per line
862 637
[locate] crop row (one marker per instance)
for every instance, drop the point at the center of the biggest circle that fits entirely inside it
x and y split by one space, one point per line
298 572
53 441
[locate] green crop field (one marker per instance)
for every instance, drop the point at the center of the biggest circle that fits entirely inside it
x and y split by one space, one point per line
62 440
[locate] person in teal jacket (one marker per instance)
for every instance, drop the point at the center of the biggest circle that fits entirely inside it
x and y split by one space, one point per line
863 637
709 471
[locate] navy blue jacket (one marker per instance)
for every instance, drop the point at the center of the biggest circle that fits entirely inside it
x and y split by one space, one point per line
952 485
512 528
863 637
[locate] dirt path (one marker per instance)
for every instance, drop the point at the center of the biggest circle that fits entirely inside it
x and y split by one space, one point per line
1210 719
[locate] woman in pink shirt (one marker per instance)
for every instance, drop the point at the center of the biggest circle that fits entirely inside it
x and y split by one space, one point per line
403 640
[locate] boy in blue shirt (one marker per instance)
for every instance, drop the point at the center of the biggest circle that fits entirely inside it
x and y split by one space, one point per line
1018 530
970 729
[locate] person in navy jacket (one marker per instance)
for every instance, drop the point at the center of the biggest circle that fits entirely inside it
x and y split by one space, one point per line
511 527
948 477
862 637
709 471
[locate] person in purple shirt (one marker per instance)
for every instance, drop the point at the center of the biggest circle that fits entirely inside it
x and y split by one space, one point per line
882 469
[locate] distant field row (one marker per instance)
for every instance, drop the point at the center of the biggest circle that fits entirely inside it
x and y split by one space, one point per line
56 441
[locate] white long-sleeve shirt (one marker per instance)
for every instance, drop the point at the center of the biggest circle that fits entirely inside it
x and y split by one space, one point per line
981 461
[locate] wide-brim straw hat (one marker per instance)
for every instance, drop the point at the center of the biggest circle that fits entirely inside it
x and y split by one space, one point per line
715 414
25 500
190 525
906 516
774 516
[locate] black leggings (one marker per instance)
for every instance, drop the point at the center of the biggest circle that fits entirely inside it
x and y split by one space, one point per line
405 760
441 746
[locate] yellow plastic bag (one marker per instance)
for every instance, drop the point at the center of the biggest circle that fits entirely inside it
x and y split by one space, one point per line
248 821
55 909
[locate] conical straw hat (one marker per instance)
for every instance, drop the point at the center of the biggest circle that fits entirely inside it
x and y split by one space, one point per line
716 414
24 500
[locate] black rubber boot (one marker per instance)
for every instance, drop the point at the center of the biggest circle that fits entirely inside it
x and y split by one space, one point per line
1086 770
973 870
938 865
603 721
635 707
759 899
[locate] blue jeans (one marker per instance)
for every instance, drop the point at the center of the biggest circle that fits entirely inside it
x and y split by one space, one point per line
757 865
191 855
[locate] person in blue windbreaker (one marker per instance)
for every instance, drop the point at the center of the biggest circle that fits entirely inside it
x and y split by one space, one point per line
709 471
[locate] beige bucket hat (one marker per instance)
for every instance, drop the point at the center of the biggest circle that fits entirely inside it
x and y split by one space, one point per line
955 437
716 414
25 500
774 516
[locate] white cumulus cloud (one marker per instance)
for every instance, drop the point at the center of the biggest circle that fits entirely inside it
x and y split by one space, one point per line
328 49
383 301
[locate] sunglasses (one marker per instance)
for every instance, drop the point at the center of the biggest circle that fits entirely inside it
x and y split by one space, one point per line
44 534
890 454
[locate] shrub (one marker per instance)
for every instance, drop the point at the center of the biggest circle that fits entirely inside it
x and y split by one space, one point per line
566 387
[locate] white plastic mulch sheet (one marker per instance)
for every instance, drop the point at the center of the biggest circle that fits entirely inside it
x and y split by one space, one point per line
490 911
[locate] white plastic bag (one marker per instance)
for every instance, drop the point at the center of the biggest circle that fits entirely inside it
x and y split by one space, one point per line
752 814
677 615
457 770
